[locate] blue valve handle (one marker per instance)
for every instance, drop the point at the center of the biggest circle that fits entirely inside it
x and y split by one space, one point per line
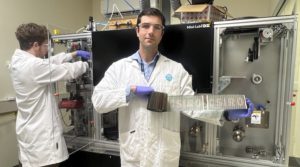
236 114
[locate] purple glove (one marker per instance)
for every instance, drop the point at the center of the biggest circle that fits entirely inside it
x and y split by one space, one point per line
83 54
143 90
236 114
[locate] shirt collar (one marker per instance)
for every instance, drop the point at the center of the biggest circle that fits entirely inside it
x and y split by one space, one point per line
136 56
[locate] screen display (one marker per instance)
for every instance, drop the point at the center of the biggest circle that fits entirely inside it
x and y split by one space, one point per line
189 44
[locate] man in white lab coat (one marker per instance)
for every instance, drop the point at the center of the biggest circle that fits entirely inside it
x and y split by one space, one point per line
147 138
38 125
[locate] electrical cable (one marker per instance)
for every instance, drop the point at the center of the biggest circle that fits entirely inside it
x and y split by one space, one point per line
282 4
80 29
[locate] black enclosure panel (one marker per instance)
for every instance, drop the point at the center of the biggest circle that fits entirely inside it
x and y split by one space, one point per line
110 46
189 44
192 46
90 159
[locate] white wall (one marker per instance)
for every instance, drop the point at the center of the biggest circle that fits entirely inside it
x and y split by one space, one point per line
98 16
64 14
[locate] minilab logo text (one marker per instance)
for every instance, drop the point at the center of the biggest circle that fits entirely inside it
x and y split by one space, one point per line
198 26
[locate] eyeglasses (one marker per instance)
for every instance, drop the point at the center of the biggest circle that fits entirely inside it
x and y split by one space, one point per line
45 45
146 26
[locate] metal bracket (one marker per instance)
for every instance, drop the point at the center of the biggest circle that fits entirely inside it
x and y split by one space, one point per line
224 81
279 154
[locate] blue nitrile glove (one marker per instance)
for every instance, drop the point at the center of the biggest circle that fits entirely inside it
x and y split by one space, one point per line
236 114
143 90
83 54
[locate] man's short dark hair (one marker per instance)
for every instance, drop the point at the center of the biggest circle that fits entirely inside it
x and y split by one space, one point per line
29 33
151 12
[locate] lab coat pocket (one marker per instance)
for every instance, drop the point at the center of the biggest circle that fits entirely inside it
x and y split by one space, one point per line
170 148
130 146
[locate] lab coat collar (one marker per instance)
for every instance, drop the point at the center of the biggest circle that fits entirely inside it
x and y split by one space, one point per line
136 56
134 59
19 52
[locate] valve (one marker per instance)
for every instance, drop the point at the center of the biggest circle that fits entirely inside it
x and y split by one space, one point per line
238 133
257 79
291 103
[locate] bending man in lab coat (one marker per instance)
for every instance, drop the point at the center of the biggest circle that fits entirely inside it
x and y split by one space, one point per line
38 125
147 138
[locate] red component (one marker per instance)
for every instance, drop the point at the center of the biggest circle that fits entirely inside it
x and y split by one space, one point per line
71 104
293 103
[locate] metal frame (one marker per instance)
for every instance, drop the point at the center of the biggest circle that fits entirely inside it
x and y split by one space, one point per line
86 35
97 144
282 130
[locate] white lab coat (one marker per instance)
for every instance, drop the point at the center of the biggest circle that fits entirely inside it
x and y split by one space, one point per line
38 125
147 138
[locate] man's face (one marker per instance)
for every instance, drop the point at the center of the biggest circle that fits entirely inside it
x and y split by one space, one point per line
150 31
41 50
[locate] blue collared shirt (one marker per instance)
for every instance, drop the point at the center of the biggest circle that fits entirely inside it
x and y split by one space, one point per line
146 68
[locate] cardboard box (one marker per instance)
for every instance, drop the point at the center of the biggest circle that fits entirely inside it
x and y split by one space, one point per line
202 13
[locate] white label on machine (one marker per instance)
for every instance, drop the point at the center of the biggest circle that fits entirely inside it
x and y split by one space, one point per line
256 117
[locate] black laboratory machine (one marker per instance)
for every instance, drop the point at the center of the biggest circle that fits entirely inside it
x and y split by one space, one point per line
254 57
